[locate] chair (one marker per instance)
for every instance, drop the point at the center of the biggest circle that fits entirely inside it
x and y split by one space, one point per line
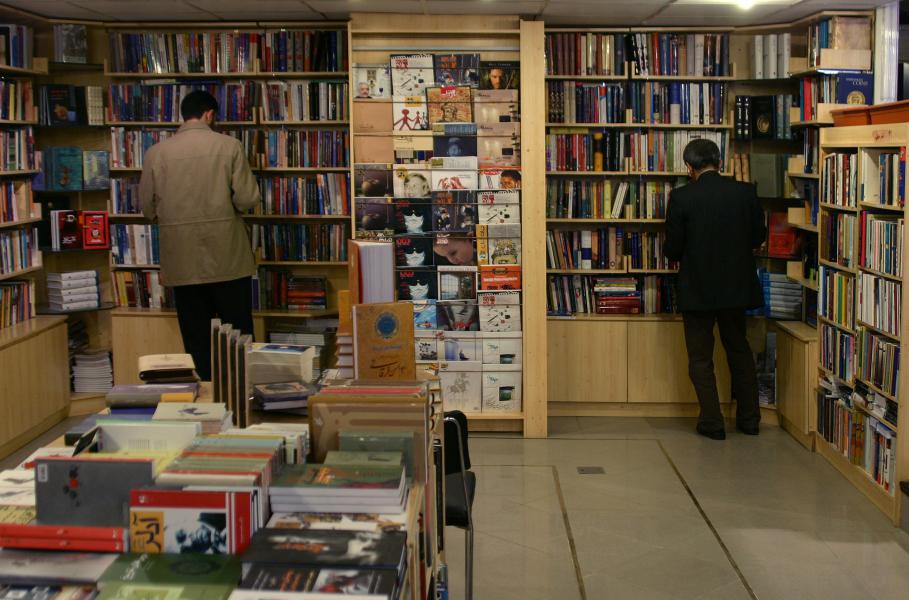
460 489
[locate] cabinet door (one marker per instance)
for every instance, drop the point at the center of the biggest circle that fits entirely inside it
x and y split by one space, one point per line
587 361
136 333
658 364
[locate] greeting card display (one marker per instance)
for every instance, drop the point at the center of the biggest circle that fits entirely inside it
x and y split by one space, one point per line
500 179
412 149
426 346
459 345
448 218
457 249
375 216
498 151
500 75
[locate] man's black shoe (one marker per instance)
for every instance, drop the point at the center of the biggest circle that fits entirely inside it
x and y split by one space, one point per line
748 429
714 434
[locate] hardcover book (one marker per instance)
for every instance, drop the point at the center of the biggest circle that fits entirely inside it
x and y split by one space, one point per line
167 570
384 341
380 441
342 521
70 43
96 170
410 113
63 168
344 458
95 229
855 88
457 69
53 568
310 583
449 104
411 73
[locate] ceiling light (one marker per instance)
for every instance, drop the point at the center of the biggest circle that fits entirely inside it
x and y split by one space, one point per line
745 4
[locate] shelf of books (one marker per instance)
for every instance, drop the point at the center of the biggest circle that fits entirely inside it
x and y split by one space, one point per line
858 425
441 132
621 106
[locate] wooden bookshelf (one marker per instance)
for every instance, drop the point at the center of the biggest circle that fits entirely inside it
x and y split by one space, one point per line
20 273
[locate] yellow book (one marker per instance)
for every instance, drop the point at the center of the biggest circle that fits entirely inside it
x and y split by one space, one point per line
383 341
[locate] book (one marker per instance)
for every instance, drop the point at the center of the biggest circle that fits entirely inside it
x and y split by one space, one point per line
363 459
167 368
155 573
500 75
310 583
457 69
411 73
372 80
62 168
855 88
197 522
70 43
383 336
151 394
449 104
53 568
67 490
213 416
410 113
315 548
380 441
371 272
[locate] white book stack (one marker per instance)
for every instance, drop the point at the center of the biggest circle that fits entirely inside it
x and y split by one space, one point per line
92 372
76 290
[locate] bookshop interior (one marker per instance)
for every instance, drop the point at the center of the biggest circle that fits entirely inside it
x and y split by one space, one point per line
543 299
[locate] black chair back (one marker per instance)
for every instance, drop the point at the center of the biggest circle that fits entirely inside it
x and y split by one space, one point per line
452 457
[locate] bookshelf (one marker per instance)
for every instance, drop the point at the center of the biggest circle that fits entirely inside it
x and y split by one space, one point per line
374 38
860 336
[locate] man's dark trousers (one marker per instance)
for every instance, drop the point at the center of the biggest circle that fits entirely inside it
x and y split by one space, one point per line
197 305
699 342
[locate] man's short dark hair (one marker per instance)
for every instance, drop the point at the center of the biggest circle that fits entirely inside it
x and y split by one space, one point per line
197 103
702 153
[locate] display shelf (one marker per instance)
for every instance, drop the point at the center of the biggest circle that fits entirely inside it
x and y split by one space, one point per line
17 122
586 173
19 173
886 395
806 283
133 267
266 123
880 274
116 170
19 223
697 78
799 329
570 221
47 310
877 330
294 314
637 126
805 227
302 74
585 271
812 123
301 263
20 272
39 68
20 332
302 170
832 323
797 175
876 206
127 217
858 477
494 416
621 77
174 124
848 383
669 173
864 408
297 217
837 266
653 271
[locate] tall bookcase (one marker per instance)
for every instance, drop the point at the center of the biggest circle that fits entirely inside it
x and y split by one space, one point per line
374 38
580 197
859 312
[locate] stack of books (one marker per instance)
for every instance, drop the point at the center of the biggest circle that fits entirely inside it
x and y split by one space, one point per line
289 396
278 363
144 399
74 290
213 417
617 295
782 297
92 372
342 489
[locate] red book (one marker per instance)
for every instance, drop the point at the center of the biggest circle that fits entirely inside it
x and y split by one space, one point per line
95 230
8 530
63 544
70 233
782 239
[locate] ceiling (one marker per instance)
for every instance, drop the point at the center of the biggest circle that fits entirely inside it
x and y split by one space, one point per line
586 12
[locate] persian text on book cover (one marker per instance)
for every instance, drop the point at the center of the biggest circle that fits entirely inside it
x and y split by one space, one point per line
385 347
449 104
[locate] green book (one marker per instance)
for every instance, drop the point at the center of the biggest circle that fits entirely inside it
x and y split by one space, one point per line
364 459
380 441
139 591
339 481
173 570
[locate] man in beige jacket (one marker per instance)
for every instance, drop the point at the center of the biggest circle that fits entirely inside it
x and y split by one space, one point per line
195 185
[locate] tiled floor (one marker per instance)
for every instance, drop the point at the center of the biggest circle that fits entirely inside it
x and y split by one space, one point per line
674 516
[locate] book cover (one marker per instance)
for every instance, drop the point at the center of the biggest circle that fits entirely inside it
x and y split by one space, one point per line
95 229
454 217
497 107
458 249
49 568
500 277
373 180
327 548
498 151
426 346
449 104
310 583
454 179
411 182
342 521
458 315
375 216
349 480
500 75
96 170
500 179
457 282
91 492
763 117
69 230
172 570
197 522
70 43
424 315
459 345
499 213
413 251
413 217
383 335
411 73
410 113
372 80
855 88
457 69
502 389
342 458
62 105
380 441
63 168
454 146
501 348
462 383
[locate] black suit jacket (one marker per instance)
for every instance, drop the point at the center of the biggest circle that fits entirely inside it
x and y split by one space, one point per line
712 227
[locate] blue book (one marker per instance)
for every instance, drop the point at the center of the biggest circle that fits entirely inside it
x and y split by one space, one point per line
855 88
96 170
63 169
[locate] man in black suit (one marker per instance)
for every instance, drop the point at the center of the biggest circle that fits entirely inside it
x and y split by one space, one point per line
712 226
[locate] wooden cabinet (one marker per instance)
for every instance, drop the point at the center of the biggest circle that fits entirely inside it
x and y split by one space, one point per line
588 361
34 370
136 332
796 379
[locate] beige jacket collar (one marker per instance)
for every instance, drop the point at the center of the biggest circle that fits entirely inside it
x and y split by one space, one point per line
193 125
